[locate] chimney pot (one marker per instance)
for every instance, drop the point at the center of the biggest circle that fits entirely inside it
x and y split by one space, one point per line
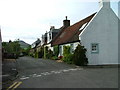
66 17
66 23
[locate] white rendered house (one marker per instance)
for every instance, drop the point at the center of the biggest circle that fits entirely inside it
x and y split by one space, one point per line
100 36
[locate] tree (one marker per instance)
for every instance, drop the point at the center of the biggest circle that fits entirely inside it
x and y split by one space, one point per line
26 51
12 48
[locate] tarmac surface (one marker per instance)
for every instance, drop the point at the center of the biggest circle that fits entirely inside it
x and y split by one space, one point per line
9 71
39 73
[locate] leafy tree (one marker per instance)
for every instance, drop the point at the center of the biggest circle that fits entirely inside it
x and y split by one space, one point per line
26 51
12 47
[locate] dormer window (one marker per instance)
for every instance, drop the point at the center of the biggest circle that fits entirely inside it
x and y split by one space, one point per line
83 26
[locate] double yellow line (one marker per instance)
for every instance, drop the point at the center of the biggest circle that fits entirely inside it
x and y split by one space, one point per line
14 85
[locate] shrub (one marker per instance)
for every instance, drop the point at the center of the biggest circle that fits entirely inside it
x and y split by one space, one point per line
80 56
68 57
55 58
66 50
56 51
49 54
36 55
45 52
41 52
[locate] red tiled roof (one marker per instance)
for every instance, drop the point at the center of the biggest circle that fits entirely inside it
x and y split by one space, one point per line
71 33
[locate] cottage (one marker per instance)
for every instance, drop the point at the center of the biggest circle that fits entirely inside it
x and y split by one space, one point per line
70 36
100 36
98 33
35 46
49 37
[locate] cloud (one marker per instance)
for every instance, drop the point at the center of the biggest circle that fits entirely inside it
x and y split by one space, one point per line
28 19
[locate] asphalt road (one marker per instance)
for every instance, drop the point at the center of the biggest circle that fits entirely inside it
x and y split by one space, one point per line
39 73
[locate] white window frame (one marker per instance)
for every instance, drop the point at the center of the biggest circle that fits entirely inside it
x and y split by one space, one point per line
94 48
72 48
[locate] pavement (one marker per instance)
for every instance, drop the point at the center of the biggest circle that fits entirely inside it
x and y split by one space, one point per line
9 71
40 73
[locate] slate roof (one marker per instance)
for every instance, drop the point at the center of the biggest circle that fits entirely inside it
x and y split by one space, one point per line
23 44
71 33
34 45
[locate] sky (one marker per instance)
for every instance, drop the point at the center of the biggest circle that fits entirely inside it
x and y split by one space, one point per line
29 19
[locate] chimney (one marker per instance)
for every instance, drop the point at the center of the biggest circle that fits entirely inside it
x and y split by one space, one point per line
104 3
66 23
52 27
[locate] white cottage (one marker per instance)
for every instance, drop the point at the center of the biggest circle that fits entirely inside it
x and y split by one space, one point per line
100 36
69 36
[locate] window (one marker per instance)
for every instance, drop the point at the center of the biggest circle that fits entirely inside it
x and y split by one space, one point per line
50 36
94 48
60 50
72 48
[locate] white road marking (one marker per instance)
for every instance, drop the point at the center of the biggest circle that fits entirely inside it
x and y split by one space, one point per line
51 72
24 78
57 72
34 74
38 75
66 70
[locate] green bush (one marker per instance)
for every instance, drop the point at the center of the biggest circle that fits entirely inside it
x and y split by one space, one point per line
45 52
31 54
55 58
41 52
80 56
36 55
56 51
66 50
49 54
67 56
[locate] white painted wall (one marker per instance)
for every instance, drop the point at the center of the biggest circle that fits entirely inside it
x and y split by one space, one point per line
119 32
119 42
75 44
49 47
103 29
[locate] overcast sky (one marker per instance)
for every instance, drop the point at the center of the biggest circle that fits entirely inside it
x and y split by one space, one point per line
29 19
